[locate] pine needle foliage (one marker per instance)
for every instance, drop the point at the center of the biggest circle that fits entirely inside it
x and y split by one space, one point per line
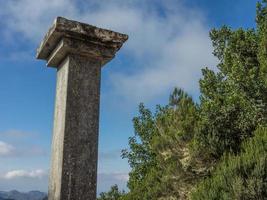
242 176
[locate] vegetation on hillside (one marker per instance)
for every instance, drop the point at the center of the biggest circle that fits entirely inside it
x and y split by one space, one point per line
214 149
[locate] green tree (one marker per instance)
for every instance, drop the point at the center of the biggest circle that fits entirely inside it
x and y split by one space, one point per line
233 100
140 155
241 176
160 153
176 129
113 194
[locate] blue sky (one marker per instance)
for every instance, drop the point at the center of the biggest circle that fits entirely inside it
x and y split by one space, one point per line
168 45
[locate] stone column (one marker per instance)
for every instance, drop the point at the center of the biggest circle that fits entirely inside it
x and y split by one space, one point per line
77 51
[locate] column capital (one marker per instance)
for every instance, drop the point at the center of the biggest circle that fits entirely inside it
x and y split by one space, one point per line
71 37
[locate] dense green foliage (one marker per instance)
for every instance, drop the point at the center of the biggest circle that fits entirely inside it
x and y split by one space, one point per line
159 151
239 177
214 149
233 101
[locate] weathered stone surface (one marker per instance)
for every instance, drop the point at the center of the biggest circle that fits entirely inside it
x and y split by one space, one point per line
78 51
58 132
74 154
78 38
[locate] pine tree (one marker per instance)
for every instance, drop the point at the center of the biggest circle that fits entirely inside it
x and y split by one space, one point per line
242 176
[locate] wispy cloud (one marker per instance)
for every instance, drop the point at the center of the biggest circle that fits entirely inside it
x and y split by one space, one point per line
38 179
39 173
16 134
6 149
10 151
17 144
24 180
167 46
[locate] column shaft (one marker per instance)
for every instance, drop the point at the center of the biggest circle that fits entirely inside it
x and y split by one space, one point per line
75 136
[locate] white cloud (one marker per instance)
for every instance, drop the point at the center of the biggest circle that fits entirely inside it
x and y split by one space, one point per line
170 50
26 180
20 144
121 177
166 48
6 149
32 17
39 173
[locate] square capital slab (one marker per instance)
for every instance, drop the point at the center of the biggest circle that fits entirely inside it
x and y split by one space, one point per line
71 37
